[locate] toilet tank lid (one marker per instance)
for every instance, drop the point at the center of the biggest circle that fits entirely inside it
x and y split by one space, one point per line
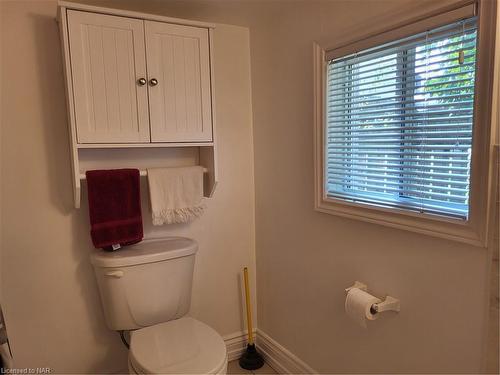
148 251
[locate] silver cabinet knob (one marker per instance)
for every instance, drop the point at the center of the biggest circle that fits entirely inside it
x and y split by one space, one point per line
153 81
141 81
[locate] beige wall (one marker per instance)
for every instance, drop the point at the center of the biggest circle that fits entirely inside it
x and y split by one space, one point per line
50 297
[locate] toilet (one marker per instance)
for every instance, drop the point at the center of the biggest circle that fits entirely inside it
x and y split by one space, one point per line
146 289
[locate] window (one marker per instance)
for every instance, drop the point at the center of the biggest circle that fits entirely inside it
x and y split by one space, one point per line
403 125
399 122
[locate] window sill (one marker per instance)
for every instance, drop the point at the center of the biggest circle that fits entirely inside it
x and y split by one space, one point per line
433 225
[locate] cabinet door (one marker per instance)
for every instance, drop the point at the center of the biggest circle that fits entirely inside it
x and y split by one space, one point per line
178 59
107 60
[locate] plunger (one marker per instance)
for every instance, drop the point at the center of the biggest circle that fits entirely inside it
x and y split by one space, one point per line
251 359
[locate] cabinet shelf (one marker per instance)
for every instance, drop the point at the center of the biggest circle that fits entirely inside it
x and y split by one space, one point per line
144 145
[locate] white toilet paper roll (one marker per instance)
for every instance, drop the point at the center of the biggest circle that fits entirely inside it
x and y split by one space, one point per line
358 304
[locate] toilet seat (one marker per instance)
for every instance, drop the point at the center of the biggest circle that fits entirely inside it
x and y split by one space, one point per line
182 346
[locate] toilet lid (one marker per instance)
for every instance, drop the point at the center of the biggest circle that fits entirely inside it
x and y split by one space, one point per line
182 346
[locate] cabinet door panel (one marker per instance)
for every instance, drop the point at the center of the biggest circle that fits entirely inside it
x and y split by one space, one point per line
107 58
180 104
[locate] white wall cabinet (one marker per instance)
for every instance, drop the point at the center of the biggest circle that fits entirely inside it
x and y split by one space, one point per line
140 91
139 81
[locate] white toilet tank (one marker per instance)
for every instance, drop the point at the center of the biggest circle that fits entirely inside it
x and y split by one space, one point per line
147 283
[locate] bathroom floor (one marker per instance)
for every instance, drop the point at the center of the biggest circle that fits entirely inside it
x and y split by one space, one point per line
234 368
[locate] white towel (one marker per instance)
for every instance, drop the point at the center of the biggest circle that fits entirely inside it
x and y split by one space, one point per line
176 194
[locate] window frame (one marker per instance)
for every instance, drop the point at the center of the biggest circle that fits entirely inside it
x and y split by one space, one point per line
474 230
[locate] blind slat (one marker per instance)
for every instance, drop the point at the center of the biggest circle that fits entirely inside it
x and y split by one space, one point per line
383 177
446 176
351 158
416 190
392 121
422 140
412 115
411 167
362 90
395 107
400 99
403 132
415 155
463 89
339 77
359 78
392 62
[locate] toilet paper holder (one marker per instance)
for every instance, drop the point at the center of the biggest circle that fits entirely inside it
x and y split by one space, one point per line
389 304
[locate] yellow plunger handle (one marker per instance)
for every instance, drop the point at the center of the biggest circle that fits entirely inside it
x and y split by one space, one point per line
249 307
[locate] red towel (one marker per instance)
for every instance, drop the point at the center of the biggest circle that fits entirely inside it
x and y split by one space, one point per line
114 207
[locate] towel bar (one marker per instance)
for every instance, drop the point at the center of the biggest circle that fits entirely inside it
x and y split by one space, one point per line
142 172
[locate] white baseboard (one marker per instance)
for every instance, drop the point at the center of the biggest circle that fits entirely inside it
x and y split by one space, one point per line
236 343
280 358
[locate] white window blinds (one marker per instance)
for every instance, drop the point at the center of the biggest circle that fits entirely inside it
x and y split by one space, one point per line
399 122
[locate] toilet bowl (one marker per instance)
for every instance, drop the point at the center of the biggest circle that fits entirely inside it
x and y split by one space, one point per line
146 289
182 346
